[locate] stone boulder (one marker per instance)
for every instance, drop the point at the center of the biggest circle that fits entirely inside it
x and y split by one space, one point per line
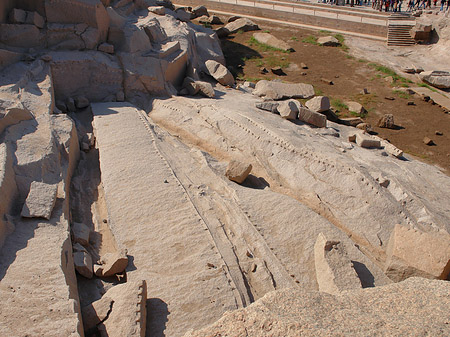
355 107
268 106
212 20
158 10
329 41
289 109
238 171
199 11
334 270
415 307
243 24
114 263
273 90
40 201
272 41
411 252
318 104
438 79
312 117
193 87
421 31
367 141
80 233
220 73
83 264
386 121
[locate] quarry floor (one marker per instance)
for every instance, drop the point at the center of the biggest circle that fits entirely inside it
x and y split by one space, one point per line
350 75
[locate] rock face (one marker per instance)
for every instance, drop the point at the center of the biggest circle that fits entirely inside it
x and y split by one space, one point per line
278 90
40 201
438 79
272 41
334 270
83 264
414 253
219 72
318 104
238 171
415 305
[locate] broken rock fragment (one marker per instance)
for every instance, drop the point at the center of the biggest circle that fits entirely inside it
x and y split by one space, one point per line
277 90
334 270
386 121
318 104
114 263
311 117
367 141
329 41
289 109
220 73
411 252
83 264
80 233
238 171
40 201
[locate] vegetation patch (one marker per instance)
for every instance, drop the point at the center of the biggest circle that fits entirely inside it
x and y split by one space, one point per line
264 47
310 39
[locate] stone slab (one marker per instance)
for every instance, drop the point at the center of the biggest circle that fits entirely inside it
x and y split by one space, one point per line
40 201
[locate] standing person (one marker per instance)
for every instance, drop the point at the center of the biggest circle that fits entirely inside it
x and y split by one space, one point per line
442 5
400 5
411 5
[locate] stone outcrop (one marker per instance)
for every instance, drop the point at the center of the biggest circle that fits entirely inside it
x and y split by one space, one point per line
334 270
272 41
415 305
411 252
277 90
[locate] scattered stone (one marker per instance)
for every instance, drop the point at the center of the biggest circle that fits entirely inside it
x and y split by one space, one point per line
389 98
83 264
70 103
438 133
386 121
268 106
288 109
243 24
312 117
80 233
272 41
389 79
158 10
327 81
318 104
365 91
409 70
391 149
367 141
212 20
352 138
205 88
249 84
334 270
303 66
352 121
438 79
277 71
365 127
81 102
220 73
114 263
17 16
411 252
40 201
33 18
233 18
355 107
106 48
411 103
273 90
199 11
238 171
329 41
303 74
222 32
182 15
428 141
263 70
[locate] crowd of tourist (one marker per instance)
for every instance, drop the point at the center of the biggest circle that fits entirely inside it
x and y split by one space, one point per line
393 5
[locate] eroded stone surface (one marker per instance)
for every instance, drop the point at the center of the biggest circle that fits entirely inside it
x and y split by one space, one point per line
40 200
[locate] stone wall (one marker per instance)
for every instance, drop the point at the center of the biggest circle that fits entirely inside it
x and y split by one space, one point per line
5 7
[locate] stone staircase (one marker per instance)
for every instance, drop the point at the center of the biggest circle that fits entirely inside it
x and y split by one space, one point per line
399 28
